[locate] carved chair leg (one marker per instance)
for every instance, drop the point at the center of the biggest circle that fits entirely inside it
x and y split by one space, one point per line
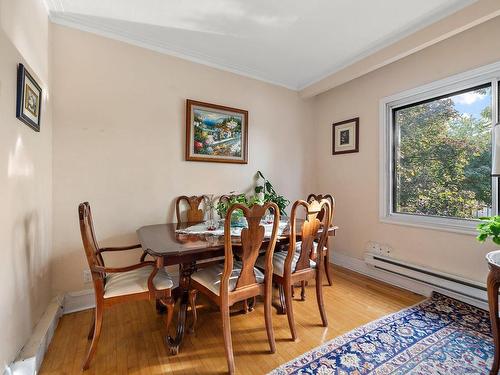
170 304
303 290
493 286
99 311
282 305
251 305
268 301
192 302
228 344
289 310
91 332
319 298
326 259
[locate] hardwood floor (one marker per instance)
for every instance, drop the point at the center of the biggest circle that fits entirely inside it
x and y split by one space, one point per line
132 336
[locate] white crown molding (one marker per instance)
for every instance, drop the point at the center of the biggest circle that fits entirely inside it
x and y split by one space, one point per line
387 41
462 20
97 28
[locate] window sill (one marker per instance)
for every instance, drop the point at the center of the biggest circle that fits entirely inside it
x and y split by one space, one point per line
460 226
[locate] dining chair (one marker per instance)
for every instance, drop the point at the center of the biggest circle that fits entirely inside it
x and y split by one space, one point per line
234 281
145 280
326 252
302 261
194 214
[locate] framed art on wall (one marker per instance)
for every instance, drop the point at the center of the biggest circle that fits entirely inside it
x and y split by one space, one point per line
215 133
345 136
29 99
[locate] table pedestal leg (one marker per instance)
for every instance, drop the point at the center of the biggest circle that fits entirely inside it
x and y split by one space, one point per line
185 276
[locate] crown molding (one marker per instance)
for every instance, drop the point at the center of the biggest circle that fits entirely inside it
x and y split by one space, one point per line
85 24
473 15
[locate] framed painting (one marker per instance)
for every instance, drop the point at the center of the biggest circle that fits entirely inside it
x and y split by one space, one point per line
29 99
215 133
345 136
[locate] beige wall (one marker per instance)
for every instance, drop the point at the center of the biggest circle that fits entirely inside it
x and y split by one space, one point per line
25 179
354 178
119 140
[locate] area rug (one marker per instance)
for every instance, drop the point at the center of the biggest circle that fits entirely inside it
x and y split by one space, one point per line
438 336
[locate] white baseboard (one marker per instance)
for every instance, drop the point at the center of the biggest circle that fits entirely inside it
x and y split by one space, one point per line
78 301
31 356
360 266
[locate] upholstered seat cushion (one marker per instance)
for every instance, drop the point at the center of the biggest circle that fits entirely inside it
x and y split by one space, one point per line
279 260
210 277
135 281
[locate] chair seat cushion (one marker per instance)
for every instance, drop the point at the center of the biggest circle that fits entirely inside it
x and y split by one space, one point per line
210 277
135 281
279 260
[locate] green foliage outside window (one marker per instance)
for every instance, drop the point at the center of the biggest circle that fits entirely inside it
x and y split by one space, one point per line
443 159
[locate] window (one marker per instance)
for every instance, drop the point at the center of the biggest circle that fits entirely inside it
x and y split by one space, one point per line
437 150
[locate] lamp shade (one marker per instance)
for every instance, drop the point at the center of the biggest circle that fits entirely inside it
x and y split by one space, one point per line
495 166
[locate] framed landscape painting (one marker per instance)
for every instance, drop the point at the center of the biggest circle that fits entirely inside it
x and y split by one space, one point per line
215 133
29 99
345 136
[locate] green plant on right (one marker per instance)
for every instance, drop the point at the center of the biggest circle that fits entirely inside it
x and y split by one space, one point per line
489 227
270 195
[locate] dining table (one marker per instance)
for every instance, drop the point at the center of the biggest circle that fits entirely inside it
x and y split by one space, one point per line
188 244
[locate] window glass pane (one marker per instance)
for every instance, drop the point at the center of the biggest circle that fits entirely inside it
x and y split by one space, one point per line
442 156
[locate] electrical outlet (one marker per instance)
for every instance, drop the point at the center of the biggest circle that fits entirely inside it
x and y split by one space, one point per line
373 247
87 276
385 250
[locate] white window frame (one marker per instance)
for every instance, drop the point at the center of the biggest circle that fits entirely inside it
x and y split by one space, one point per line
483 75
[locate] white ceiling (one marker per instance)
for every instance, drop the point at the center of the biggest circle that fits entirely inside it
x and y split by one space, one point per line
293 43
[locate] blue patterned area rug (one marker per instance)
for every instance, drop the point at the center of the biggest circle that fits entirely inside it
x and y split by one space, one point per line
438 336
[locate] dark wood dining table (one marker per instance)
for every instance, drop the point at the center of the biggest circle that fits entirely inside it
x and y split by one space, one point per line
168 247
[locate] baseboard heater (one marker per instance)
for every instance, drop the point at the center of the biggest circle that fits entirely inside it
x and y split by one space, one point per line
470 291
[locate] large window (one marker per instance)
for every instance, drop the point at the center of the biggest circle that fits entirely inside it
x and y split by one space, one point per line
438 150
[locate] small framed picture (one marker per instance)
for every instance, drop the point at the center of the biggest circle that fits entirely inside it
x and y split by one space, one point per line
345 136
216 133
29 99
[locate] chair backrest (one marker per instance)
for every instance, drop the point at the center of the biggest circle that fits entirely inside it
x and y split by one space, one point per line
309 232
90 245
319 197
252 238
193 213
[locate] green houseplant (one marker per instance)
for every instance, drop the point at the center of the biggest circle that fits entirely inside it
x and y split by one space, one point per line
270 195
489 227
263 193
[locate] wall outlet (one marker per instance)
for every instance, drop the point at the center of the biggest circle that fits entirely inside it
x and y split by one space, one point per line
87 276
378 248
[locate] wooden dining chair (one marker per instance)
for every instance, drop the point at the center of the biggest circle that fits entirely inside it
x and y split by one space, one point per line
326 253
234 281
303 261
145 280
194 214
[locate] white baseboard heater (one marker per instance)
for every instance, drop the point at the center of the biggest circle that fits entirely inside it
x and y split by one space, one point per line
455 286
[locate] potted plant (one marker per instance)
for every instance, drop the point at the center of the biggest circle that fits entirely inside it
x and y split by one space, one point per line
266 192
489 227
263 193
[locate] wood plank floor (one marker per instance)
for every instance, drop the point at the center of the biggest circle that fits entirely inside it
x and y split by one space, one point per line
132 336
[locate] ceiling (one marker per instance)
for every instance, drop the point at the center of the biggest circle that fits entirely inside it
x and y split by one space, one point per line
292 43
